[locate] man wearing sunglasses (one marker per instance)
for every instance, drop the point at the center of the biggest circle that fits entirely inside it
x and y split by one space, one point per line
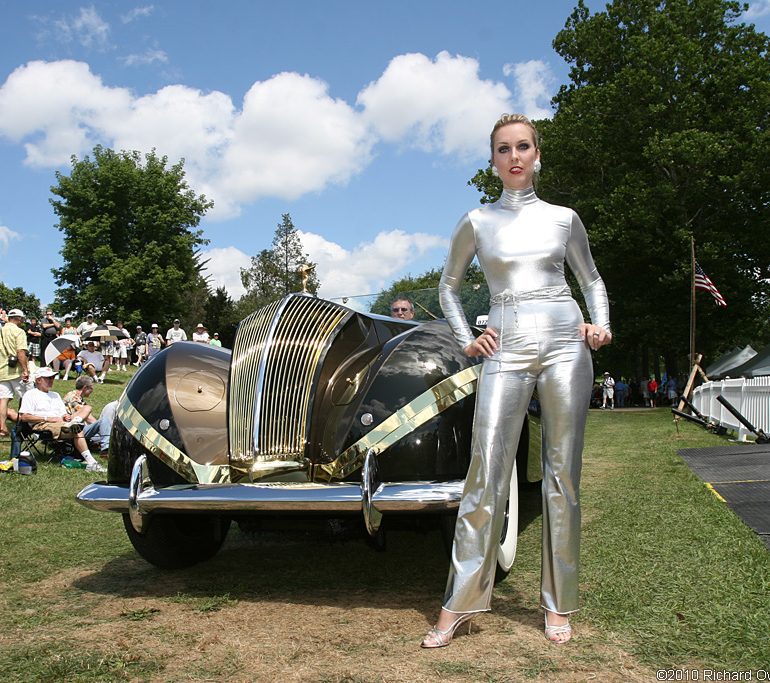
401 308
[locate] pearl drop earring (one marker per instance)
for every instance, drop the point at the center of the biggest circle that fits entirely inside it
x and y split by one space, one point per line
537 166
495 172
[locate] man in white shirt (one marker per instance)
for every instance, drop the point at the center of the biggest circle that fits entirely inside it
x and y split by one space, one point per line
608 391
175 334
45 411
87 326
200 335
93 361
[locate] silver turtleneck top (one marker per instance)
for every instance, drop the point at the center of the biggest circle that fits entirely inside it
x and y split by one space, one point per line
522 244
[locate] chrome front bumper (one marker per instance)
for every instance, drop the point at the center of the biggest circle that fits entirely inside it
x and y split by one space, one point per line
412 496
140 499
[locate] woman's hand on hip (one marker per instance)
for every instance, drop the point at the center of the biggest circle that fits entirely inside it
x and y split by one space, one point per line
485 345
594 335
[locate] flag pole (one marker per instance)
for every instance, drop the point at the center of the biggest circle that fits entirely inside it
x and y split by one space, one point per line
692 302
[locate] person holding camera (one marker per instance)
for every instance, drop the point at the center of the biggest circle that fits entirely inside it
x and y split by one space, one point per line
13 363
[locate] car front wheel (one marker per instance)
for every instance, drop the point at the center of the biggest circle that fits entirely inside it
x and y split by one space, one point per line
178 541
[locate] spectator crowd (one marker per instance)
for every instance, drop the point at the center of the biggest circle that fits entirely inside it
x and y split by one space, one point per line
88 351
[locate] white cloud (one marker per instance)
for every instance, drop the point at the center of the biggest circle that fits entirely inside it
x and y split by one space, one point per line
149 56
534 82
758 8
137 13
61 108
291 138
435 105
224 266
369 266
6 236
86 28
179 122
365 269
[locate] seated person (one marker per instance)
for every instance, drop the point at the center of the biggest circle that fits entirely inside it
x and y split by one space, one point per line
93 361
64 359
96 430
75 400
44 411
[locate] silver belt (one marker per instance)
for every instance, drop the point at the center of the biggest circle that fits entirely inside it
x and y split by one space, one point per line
510 297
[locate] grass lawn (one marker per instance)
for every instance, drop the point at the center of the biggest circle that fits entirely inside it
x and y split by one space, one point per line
670 578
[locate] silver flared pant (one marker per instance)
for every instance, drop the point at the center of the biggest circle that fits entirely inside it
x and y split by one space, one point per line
552 357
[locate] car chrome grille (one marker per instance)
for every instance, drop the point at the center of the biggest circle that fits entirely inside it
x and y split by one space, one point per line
276 355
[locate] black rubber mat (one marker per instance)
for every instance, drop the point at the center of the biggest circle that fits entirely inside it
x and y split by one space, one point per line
729 464
750 501
741 475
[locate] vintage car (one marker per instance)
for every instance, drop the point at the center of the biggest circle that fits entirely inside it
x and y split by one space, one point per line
320 410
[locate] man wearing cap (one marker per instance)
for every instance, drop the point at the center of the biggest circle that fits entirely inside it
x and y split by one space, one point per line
608 391
13 363
175 334
93 361
45 411
215 340
155 341
87 326
140 345
200 335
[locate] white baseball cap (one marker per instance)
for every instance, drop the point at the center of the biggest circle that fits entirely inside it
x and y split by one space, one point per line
44 372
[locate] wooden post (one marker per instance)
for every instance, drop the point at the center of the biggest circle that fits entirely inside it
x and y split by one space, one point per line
688 389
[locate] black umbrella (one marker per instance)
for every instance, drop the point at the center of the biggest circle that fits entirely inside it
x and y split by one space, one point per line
106 333
59 344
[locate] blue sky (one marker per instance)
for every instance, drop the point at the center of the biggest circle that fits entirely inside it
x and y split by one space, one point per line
362 120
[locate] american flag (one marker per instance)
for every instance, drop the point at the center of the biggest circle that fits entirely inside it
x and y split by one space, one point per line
702 281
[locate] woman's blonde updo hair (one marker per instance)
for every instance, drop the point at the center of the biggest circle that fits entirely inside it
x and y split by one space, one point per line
507 119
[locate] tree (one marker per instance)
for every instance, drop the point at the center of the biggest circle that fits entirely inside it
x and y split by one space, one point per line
16 297
220 316
661 135
275 272
130 248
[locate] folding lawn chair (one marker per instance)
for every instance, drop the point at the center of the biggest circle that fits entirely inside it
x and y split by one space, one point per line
38 442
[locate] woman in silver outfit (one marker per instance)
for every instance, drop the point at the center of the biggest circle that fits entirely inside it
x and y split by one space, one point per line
536 338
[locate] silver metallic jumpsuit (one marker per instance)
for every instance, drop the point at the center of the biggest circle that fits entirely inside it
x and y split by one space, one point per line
522 243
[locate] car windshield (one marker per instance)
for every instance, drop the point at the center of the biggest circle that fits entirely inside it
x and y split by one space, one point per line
474 299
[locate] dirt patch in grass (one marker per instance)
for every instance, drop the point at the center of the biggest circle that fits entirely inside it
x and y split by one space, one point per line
214 623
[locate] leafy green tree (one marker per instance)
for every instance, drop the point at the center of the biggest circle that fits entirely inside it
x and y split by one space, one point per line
130 245
220 316
275 272
16 297
661 135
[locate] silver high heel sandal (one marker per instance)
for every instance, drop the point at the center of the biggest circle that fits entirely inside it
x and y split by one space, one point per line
438 638
552 633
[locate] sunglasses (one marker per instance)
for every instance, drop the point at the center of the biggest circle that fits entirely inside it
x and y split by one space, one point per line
399 310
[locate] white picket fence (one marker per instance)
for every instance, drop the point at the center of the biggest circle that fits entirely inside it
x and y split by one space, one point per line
751 398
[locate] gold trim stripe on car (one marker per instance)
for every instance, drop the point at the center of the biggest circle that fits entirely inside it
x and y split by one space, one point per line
165 451
417 412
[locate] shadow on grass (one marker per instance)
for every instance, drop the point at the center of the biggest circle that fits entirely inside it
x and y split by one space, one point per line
307 568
